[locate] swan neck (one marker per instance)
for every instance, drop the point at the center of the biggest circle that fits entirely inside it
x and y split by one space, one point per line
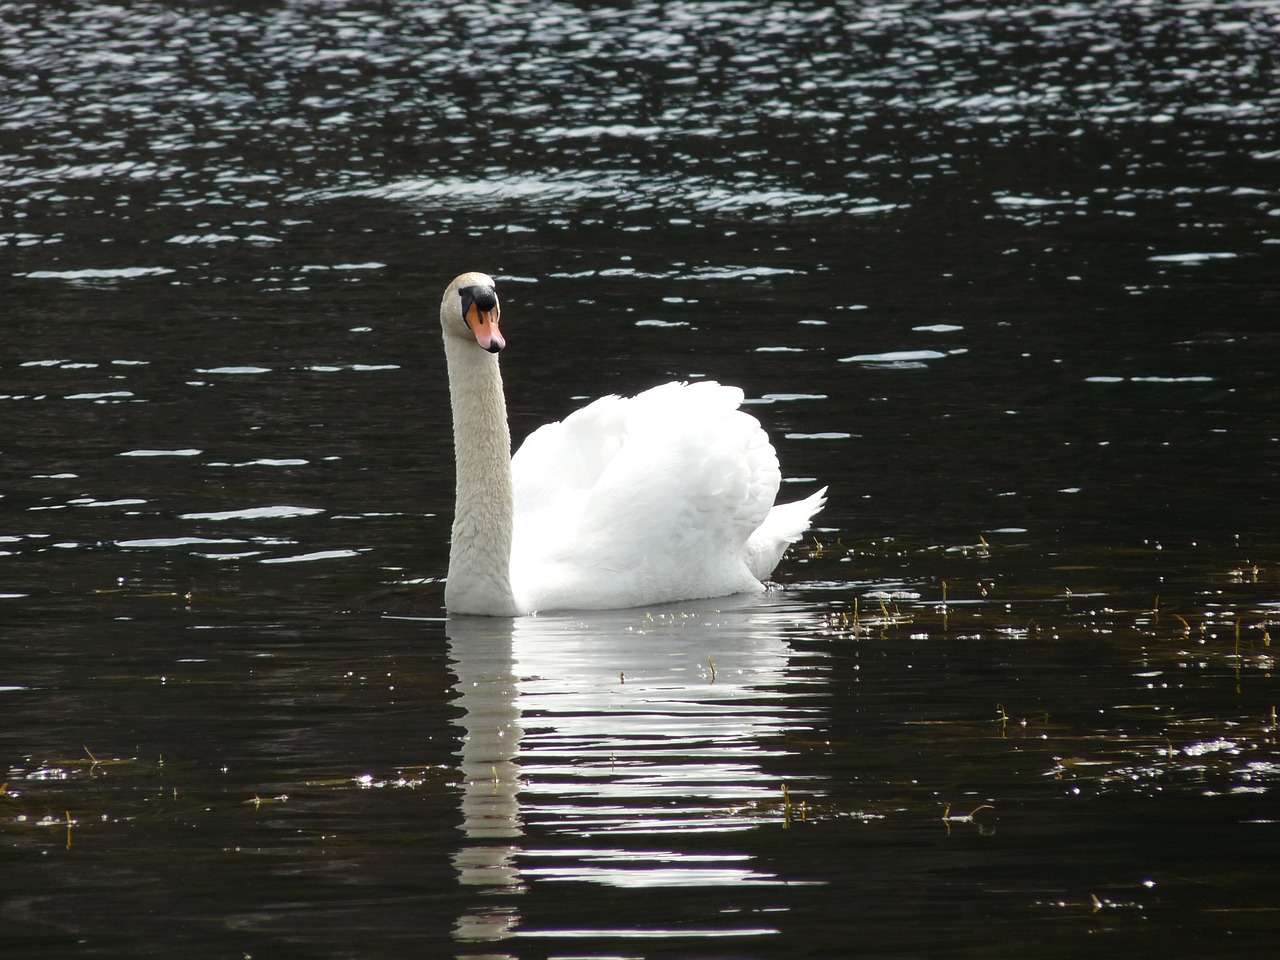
484 505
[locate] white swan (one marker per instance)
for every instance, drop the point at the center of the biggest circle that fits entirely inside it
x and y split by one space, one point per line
664 496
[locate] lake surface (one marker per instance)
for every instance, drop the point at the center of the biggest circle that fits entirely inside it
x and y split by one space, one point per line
1002 276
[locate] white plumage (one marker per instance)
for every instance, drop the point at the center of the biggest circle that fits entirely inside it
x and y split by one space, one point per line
668 495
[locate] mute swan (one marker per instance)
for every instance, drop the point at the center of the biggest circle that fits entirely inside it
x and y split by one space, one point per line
664 496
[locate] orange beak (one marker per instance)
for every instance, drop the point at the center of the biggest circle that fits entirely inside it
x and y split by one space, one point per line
484 324
479 304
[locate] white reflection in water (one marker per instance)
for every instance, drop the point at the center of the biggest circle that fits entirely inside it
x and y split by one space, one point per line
900 358
256 513
618 727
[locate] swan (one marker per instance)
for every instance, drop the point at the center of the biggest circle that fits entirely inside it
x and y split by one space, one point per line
664 496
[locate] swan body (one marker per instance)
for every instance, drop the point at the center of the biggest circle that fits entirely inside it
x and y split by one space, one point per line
664 496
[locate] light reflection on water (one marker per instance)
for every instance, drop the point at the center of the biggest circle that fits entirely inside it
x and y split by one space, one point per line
691 107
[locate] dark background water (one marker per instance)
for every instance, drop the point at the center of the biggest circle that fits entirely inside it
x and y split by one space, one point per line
1003 277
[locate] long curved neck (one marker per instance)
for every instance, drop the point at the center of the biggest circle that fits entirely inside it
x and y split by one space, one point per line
484 509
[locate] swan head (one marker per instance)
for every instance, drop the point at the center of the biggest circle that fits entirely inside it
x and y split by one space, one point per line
470 310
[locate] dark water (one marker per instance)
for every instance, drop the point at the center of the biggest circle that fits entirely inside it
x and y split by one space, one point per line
1004 277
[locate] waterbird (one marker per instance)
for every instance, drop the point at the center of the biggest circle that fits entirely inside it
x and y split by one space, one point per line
664 496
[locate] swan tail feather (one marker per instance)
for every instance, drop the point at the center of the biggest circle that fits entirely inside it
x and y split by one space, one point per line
785 524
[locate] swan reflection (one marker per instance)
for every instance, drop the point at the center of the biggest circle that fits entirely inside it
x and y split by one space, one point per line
591 742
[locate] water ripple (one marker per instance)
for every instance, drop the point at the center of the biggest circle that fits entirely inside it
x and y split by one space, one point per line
305 103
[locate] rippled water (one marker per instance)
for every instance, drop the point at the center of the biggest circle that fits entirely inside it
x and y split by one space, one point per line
1002 276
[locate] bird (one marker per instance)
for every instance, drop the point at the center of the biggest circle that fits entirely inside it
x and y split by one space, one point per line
664 496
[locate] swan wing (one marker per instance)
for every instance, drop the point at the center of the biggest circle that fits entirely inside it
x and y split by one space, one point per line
644 499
